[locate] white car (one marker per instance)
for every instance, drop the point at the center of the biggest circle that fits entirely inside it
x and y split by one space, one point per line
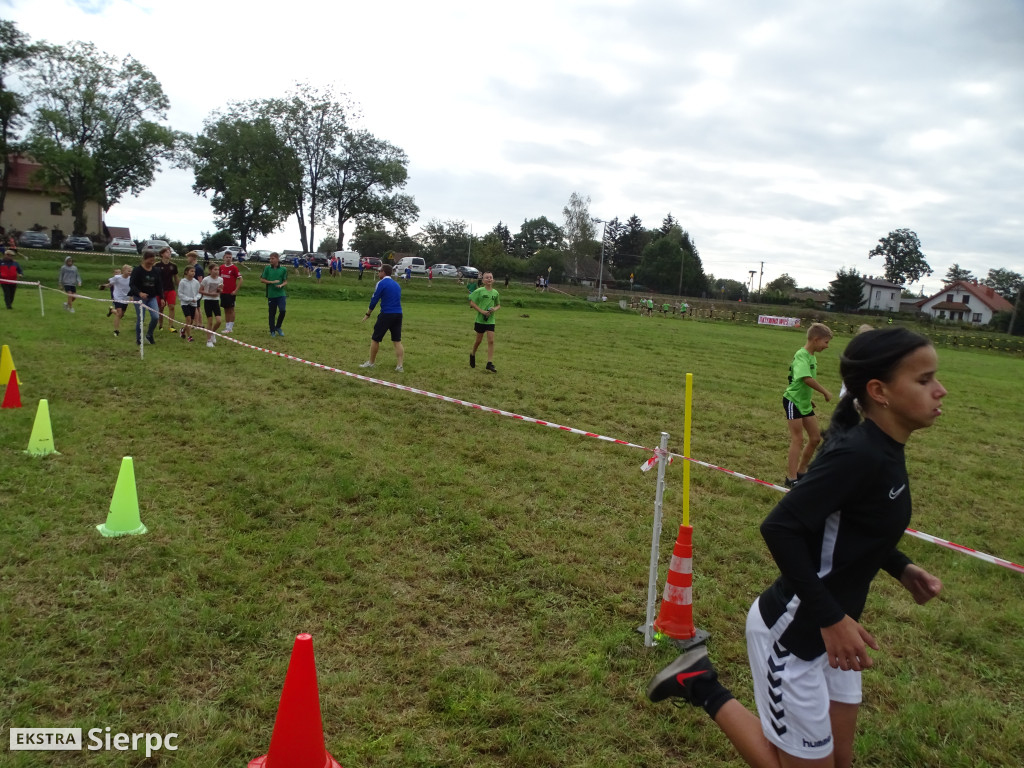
445 270
156 246
236 253
121 245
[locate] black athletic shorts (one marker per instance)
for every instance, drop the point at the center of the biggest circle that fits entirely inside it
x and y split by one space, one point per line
388 321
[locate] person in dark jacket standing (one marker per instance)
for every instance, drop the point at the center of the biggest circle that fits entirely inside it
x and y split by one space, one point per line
145 286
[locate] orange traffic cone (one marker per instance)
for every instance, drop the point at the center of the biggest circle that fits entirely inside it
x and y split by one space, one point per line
298 738
675 619
12 397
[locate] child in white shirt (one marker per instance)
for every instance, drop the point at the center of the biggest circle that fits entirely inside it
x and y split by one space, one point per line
188 297
210 289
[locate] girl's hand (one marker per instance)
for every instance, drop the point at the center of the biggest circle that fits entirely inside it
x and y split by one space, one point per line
844 644
920 584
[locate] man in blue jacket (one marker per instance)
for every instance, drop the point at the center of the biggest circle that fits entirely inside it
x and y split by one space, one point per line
389 294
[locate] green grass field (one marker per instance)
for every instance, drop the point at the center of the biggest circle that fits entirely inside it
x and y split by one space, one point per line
472 583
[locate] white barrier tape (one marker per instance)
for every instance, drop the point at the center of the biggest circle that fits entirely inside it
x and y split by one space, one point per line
966 550
646 466
21 282
654 459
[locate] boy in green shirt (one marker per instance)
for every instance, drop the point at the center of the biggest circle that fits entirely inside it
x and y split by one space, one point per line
486 302
275 277
796 401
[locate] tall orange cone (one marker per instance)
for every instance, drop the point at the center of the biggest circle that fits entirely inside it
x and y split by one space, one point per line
298 738
12 397
675 619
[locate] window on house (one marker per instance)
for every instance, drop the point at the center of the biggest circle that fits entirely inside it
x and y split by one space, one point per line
55 209
892 294
878 295
949 297
942 313
966 299
976 317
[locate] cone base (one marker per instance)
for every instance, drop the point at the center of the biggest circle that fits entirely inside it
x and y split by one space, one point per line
111 533
329 762
42 452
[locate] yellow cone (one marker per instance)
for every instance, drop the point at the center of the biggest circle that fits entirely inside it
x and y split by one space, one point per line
41 442
6 366
123 518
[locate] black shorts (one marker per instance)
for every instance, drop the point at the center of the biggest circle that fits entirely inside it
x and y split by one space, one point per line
227 300
189 310
211 307
483 327
122 307
388 321
70 289
792 412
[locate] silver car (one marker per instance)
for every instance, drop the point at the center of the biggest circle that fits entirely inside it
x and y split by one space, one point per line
121 245
445 270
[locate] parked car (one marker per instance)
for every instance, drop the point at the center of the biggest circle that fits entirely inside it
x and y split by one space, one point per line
415 264
76 243
236 253
33 239
445 270
156 246
372 263
261 255
471 273
317 259
121 245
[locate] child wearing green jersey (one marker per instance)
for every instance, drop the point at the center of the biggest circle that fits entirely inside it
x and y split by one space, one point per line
796 401
486 302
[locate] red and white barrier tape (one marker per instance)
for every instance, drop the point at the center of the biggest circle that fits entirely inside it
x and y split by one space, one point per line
655 452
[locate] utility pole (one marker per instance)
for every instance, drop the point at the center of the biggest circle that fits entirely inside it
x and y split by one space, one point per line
759 279
752 273
600 273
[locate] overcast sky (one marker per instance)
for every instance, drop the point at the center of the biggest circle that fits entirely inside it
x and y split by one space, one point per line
793 132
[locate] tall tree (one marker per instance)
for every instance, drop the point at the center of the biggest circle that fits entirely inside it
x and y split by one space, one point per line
904 262
629 246
666 258
93 130
782 285
1005 282
668 223
361 181
504 236
955 273
368 240
16 53
447 241
312 123
251 172
846 292
535 235
579 230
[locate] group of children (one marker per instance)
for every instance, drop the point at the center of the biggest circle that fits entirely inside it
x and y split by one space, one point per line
153 283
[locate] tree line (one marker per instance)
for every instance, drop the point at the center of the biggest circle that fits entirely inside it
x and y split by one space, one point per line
96 128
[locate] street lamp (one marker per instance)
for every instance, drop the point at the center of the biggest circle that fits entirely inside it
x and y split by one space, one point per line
600 272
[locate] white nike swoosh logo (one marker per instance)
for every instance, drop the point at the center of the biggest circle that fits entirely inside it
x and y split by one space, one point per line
897 491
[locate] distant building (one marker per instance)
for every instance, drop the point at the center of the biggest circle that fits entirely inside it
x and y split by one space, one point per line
28 205
965 302
879 294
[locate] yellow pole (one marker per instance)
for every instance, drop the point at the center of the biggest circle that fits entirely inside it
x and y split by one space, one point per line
686 448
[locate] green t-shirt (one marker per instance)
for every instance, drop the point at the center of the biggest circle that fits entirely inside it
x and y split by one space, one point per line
275 273
804 364
485 300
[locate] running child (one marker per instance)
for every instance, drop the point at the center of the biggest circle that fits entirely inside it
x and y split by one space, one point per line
70 281
829 537
210 289
486 302
119 285
796 401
